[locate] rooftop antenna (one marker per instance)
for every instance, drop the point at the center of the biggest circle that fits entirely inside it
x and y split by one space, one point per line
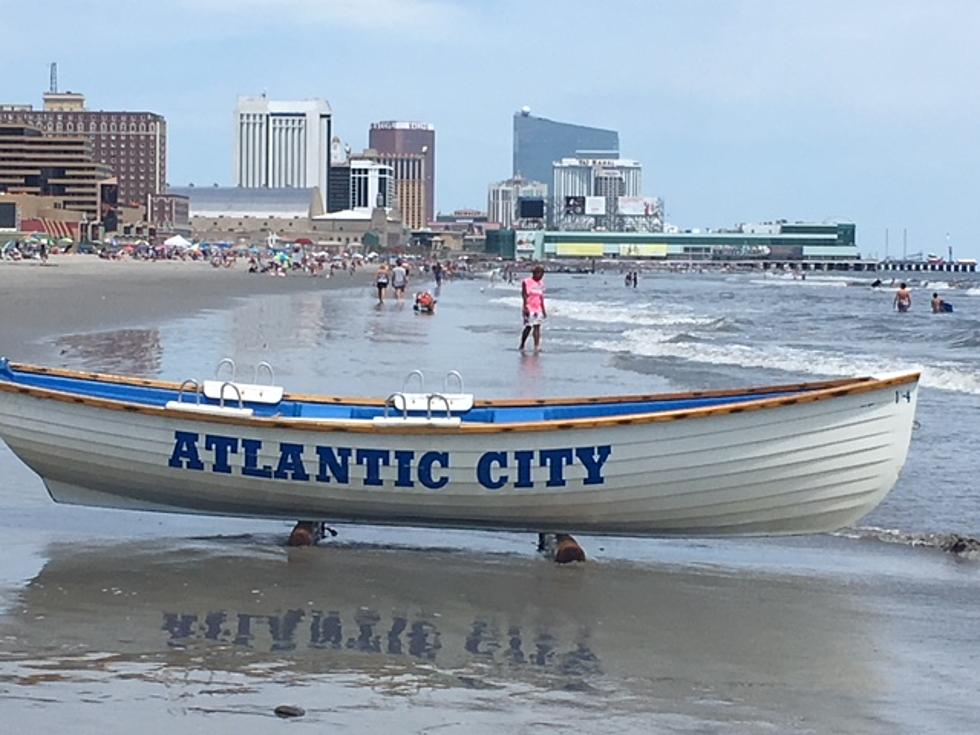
54 77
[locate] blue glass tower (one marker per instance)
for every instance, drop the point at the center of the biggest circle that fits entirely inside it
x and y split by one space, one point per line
539 142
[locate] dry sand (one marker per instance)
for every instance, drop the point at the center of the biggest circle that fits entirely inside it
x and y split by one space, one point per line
84 293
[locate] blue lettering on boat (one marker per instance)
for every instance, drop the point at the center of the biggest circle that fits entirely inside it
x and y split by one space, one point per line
494 470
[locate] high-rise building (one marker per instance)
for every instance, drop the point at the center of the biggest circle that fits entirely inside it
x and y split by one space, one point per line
282 143
539 142
58 166
408 171
415 138
132 144
602 192
504 199
371 185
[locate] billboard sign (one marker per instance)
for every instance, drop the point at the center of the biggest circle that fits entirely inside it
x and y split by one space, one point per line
594 249
595 205
575 205
530 208
637 206
529 243
643 250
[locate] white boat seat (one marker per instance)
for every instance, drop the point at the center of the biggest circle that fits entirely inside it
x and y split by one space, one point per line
225 410
458 402
416 421
250 392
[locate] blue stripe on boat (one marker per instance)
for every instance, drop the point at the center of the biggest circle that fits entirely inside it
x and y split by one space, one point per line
149 396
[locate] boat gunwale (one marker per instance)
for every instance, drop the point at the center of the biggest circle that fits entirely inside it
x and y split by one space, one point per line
807 393
480 403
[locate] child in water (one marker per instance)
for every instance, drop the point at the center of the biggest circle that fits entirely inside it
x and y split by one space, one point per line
425 303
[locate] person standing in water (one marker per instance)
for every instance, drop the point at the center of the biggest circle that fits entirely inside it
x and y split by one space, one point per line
381 281
903 298
399 279
533 309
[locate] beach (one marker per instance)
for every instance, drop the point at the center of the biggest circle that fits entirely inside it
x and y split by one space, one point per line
85 293
112 621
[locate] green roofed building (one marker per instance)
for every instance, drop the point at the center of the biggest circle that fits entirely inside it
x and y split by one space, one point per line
771 241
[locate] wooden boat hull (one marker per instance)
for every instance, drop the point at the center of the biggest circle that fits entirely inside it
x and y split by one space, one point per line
808 464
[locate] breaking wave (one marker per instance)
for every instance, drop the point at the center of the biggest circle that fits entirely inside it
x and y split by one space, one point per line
655 343
642 314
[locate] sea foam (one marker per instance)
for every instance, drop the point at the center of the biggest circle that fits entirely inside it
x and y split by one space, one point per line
655 343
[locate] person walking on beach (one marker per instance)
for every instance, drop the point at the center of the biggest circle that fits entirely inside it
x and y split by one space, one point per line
532 295
381 281
399 279
903 298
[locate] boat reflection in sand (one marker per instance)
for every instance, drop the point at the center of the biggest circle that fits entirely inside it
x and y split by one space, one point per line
447 618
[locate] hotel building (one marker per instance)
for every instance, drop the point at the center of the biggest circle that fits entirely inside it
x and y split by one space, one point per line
132 144
58 166
539 142
282 143
408 175
397 144
504 197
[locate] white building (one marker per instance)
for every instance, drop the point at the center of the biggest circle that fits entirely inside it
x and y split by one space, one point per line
282 143
372 184
617 182
503 198
592 177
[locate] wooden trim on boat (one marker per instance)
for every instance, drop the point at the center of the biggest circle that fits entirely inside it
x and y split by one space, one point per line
814 392
485 403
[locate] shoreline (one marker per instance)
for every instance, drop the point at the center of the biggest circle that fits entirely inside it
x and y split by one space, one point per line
82 293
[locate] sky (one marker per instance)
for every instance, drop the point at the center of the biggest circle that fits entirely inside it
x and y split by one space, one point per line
739 110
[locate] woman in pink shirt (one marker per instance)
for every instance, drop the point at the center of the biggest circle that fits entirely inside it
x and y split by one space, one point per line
532 294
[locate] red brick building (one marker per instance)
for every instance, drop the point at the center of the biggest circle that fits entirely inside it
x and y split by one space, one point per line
132 144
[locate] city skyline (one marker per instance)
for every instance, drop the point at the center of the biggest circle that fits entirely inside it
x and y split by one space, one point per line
739 112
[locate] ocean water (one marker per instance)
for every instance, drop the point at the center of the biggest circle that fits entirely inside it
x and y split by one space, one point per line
192 622
673 333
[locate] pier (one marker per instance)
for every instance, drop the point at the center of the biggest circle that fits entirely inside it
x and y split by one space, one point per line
861 265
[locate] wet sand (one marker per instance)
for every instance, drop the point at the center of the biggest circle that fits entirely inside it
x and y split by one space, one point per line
119 622
82 293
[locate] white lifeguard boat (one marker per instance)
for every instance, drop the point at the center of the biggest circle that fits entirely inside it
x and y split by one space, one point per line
785 459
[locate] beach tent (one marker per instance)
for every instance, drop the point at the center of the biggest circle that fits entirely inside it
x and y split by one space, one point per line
177 241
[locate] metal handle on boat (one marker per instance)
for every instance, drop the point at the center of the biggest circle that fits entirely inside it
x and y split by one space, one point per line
452 374
408 379
186 383
268 367
226 361
221 394
437 397
390 403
